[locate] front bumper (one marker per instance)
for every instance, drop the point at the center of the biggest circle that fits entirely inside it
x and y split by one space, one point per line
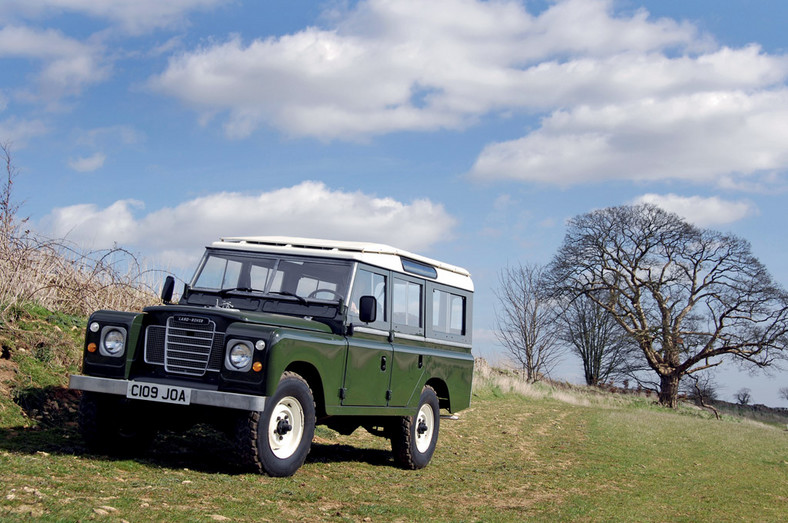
212 398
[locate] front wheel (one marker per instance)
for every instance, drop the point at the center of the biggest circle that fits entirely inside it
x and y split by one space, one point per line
114 425
277 440
413 438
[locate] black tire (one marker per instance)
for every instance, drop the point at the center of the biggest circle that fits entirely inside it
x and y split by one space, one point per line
413 438
277 440
113 425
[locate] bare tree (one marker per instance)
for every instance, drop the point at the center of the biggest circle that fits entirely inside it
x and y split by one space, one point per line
9 222
783 392
526 324
593 334
686 296
703 391
743 396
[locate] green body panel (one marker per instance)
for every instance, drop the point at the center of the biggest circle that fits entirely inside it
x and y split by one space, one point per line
354 364
451 368
250 317
131 345
368 370
351 366
407 377
455 369
323 351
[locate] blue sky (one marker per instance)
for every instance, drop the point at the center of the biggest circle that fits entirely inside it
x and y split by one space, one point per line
463 130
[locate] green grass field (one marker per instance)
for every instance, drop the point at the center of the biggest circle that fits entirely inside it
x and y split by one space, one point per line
508 458
529 453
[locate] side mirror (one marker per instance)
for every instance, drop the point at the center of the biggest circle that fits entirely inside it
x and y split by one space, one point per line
367 309
167 288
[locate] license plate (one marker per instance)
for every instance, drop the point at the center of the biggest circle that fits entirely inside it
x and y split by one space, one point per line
160 393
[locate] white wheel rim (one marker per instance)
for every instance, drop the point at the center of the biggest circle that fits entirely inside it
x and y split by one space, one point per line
284 443
427 417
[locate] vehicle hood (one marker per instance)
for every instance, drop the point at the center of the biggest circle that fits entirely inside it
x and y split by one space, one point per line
236 315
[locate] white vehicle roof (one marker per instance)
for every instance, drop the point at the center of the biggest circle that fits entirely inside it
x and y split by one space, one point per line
376 254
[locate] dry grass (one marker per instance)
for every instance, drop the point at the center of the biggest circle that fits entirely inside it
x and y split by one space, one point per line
507 382
58 275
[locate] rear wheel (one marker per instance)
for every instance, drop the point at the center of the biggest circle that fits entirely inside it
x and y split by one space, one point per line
277 440
413 438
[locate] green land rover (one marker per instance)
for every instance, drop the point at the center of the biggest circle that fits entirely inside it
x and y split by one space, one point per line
274 335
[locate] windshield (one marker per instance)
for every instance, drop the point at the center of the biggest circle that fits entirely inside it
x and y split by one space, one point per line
307 278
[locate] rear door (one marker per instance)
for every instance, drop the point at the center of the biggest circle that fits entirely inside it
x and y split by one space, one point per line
408 324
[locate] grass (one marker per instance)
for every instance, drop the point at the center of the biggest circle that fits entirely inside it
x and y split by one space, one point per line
521 452
508 458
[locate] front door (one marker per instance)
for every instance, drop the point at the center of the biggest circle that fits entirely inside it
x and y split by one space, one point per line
368 370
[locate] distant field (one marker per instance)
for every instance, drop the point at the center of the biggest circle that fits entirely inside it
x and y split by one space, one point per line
510 457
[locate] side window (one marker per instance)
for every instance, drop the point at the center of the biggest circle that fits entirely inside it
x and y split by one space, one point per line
406 306
368 283
448 313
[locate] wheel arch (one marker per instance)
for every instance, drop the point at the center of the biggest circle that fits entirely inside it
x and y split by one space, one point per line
310 373
442 391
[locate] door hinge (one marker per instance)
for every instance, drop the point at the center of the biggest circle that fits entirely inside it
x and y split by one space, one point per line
388 395
342 393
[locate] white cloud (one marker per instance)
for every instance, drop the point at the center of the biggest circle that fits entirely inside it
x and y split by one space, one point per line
88 163
68 65
702 211
308 209
19 131
696 137
624 96
135 16
411 65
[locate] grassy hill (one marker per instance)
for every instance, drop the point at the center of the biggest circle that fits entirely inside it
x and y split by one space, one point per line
520 452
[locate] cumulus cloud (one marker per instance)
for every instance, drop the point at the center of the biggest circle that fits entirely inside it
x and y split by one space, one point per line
134 16
693 137
622 96
68 65
702 211
88 163
309 209
411 65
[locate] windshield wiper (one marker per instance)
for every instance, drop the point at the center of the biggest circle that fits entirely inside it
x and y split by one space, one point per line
242 289
300 299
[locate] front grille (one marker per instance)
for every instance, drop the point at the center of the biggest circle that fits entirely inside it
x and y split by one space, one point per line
186 345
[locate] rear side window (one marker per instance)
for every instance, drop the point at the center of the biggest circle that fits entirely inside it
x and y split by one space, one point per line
448 312
406 306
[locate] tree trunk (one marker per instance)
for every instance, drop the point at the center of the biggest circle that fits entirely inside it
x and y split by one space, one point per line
669 390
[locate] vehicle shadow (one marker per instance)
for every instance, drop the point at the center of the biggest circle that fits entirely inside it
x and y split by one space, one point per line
202 448
340 453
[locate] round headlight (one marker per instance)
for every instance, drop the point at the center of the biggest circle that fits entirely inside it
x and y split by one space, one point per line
240 355
114 340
